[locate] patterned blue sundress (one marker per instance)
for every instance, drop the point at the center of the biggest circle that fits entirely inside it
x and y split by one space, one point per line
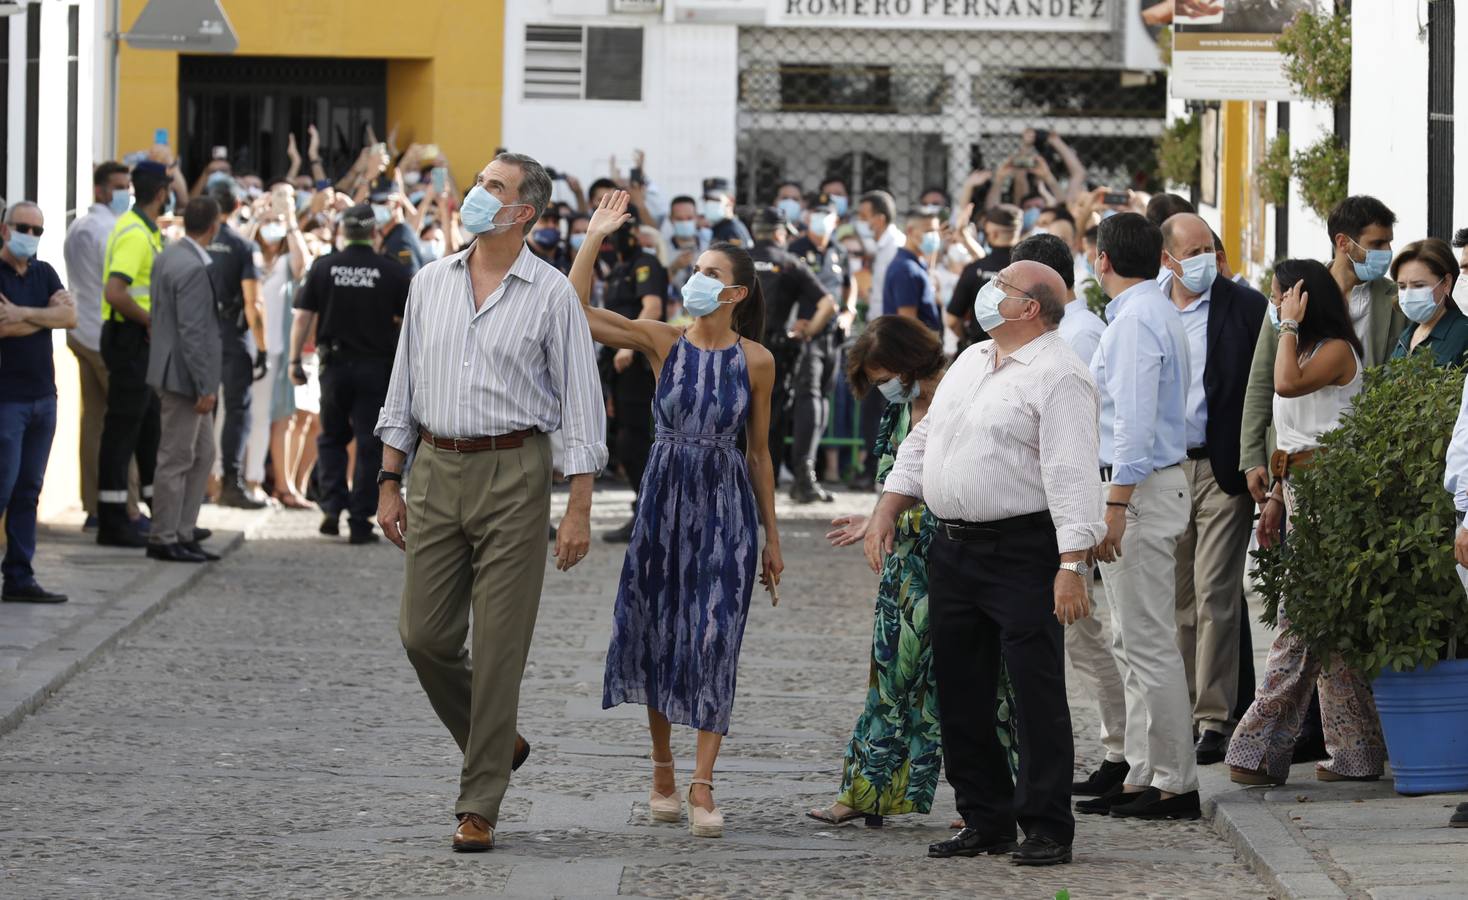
684 593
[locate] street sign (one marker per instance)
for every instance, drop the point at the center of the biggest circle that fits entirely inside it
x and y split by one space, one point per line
188 26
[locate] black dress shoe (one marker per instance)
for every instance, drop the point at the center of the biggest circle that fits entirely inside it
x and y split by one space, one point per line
521 754
193 547
1100 806
1040 850
1211 747
1150 805
969 842
173 553
128 537
363 536
202 534
331 524
1102 780
30 593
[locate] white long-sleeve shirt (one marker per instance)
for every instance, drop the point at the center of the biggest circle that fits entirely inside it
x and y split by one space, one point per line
1009 441
1456 479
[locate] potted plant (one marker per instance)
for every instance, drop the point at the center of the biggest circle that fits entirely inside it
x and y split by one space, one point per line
1317 54
1272 172
1180 149
1367 571
1323 170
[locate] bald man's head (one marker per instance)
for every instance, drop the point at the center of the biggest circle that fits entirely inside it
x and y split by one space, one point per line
1185 235
1042 284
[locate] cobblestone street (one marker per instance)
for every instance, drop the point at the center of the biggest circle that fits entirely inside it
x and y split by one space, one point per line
266 737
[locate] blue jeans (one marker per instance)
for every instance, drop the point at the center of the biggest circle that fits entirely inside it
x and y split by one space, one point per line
26 429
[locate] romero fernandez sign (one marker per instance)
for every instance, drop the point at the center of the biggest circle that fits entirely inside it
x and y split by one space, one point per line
1006 15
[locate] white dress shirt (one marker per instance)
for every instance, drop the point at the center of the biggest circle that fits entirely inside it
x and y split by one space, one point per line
1081 329
1195 323
1361 316
1009 441
522 360
1456 480
888 243
86 244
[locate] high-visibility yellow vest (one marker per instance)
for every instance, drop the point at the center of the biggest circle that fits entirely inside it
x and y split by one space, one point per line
131 247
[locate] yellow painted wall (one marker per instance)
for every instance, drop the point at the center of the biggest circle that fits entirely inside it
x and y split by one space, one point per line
444 73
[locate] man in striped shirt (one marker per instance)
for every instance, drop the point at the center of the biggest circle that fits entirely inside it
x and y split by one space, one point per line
495 354
1004 460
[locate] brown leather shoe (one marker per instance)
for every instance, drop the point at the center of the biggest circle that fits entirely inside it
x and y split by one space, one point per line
474 834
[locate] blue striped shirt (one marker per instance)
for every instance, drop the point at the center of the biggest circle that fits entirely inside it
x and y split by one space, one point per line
522 360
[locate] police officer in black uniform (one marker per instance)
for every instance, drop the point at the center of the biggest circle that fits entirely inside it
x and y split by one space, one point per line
792 294
815 369
718 211
636 287
355 299
399 243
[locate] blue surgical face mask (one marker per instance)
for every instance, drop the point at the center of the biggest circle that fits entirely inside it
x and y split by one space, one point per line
1375 265
791 208
930 243
1419 304
272 232
839 201
822 224
701 295
713 210
893 391
864 230
685 228
1031 216
1274 316
986 306
22 246
122 198
479 209
546 237
706 235
577 240
382 214
1198 271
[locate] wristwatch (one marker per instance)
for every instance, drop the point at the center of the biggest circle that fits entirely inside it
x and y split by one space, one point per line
385 475
1079 568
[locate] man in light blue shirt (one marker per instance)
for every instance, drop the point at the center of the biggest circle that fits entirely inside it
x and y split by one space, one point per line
1142 370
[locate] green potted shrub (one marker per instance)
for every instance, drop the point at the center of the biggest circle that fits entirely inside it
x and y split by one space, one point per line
1323 170
1367 571
1317 55
1180 150
1272 173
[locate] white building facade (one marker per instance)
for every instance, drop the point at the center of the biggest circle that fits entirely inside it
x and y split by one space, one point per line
898 94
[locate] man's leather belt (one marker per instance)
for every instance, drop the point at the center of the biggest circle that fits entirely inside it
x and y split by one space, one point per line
1197 453
1107 472
1281 463
474 445
968 532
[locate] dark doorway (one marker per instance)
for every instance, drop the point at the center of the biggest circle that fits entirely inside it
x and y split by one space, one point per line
249 104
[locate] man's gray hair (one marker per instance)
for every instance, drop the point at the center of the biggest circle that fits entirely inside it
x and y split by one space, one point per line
19 205
535 184
1052 305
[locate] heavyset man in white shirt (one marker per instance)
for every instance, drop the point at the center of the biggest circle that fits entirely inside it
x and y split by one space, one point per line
1006 460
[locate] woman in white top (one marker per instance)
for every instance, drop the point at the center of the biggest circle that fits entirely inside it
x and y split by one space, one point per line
1317 375
282 264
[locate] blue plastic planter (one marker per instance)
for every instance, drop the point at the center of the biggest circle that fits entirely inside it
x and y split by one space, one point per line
1424 714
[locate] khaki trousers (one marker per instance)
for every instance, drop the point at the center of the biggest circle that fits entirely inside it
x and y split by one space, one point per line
92 372
1141 589
476 541
185 456
1088 644
1210 593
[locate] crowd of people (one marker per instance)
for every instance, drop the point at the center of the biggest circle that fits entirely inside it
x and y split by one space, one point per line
498 339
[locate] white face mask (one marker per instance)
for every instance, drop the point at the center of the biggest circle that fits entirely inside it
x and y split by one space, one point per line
1460 293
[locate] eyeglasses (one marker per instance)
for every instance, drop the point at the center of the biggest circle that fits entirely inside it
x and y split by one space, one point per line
25 228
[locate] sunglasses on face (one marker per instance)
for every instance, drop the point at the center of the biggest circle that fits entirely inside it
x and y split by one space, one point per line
24 228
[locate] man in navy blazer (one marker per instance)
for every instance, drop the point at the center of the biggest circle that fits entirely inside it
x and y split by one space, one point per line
1222 319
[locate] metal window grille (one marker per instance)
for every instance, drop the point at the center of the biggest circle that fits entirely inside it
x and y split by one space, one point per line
1440 64
557 58
903 111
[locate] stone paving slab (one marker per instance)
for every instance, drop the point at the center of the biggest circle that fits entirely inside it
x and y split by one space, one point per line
264 737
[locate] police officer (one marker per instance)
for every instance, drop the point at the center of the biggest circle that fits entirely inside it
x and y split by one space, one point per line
815 368
718 211
792 295
242 333
399 243
636 287
355 299
130 429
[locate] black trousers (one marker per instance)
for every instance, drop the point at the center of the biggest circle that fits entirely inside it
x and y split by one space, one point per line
815 379
352 392
130 429
237 374
987 600
632 393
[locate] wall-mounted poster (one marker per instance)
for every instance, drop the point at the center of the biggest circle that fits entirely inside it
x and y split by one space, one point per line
1225 49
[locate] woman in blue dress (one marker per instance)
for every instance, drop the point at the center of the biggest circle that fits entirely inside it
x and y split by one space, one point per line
685 587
